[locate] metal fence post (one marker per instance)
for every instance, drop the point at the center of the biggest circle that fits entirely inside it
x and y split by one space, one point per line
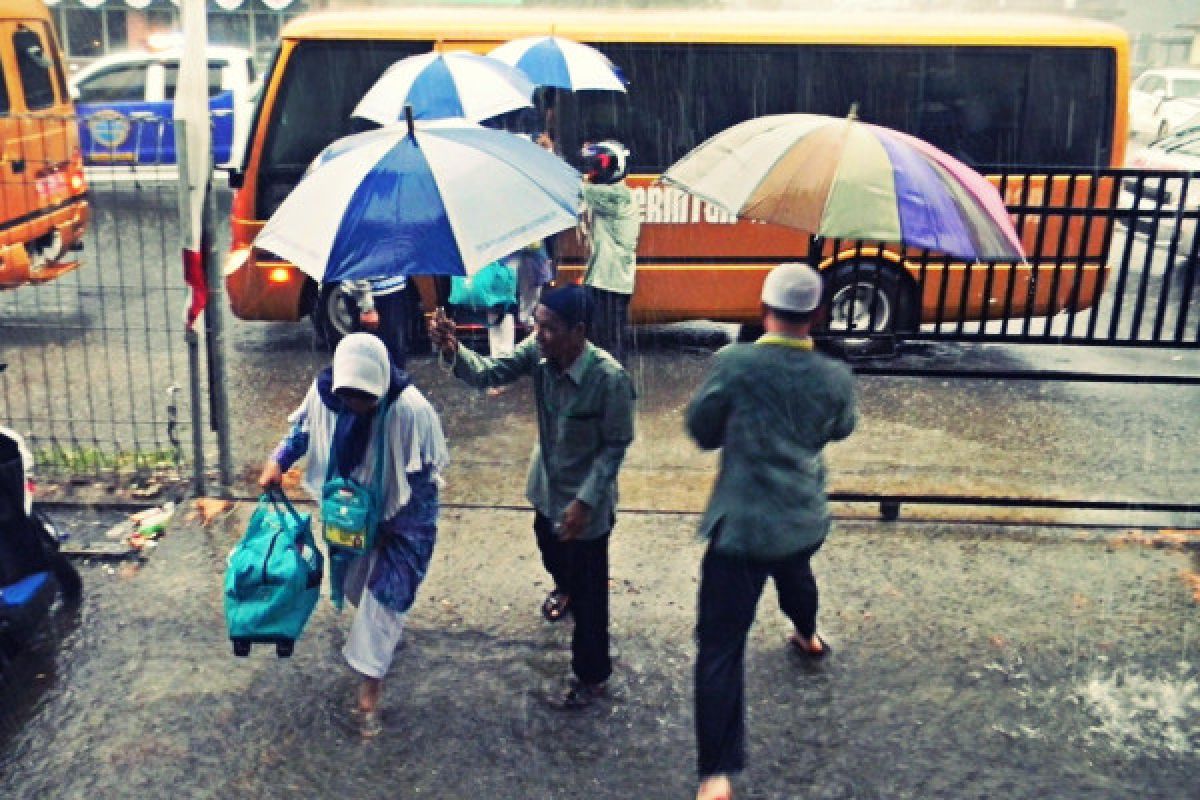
214 328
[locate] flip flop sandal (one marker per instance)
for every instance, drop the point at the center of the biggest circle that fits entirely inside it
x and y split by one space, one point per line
556 605
578 697
354 721
801 649
370 724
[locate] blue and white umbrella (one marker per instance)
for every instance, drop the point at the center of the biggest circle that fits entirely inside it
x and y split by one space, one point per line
443 85
562 63
440 199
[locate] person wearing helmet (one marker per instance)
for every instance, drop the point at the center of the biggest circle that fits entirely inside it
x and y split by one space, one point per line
610 222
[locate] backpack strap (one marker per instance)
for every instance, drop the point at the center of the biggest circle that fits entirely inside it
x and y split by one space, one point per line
381 443
331 468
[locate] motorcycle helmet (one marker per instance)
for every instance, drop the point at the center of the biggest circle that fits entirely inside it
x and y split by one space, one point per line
604 162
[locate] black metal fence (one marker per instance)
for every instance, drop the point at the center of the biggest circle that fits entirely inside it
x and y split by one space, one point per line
1113 260
97 364
91 316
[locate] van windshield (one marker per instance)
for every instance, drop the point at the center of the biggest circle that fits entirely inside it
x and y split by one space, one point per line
322 83
33 67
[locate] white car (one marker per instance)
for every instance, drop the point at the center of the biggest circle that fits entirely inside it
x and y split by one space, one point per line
125 103
1176 199
1161 99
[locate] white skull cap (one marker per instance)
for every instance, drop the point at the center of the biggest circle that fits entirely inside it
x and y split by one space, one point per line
792 287
361 362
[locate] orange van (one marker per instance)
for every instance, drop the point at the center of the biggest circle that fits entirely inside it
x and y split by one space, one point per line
43 194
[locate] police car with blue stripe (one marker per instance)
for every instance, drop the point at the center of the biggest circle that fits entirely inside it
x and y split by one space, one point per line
125 103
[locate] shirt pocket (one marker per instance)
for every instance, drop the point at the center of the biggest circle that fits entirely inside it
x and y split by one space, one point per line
580 433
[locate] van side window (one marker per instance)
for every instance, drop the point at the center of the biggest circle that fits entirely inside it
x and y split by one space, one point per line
34 65
5 105
122 84
171 78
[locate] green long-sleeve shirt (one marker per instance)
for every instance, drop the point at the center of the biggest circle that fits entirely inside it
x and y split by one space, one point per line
585 425
771 407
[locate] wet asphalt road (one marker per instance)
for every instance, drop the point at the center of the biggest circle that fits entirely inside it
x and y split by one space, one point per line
969 662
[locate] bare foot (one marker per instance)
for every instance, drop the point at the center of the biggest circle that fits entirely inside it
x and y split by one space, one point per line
716 787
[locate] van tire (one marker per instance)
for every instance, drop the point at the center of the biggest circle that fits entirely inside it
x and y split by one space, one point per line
862 294
335 312
333 315
749 332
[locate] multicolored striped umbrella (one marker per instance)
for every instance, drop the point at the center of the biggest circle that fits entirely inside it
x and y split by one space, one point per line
562 63
845 179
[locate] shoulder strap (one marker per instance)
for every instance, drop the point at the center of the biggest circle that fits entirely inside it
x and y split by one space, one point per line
331 468
381 443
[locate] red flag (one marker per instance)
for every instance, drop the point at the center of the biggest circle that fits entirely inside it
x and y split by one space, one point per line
195 277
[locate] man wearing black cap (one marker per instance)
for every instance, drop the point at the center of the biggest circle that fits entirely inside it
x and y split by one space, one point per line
585 406
771 407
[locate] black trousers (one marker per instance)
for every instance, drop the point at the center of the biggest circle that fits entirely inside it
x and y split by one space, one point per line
729 592
581 570
394 322
609 328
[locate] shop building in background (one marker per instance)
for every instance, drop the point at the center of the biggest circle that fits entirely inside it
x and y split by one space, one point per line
89 29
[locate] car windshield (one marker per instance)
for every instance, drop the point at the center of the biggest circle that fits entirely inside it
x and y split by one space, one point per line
1187 87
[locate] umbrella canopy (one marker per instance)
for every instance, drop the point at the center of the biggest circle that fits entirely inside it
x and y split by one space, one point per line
561 63
442 85
846 179
441 199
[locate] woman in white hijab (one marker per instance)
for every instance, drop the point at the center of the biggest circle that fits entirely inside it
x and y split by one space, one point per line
338 417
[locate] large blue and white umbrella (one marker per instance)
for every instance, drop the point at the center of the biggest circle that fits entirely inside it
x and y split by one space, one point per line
437 200
444 85
562 63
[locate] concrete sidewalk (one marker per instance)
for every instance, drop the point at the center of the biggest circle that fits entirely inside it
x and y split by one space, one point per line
970 662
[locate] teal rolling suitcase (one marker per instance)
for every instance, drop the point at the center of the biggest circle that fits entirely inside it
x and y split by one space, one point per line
273 580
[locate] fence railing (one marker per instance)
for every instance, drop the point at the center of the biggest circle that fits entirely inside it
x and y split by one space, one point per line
1112 260
94 337
92 333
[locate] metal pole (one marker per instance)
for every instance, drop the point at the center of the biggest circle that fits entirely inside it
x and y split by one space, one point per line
214 328
190 336
193 348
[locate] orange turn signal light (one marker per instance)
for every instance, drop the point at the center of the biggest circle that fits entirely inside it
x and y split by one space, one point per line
279 275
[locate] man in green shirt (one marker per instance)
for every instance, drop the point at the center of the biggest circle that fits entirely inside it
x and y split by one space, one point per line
771 407
585 404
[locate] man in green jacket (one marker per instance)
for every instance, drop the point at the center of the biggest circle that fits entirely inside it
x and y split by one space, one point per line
771 407
585 405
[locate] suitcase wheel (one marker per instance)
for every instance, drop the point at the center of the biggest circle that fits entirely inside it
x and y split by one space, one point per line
284 649
241 647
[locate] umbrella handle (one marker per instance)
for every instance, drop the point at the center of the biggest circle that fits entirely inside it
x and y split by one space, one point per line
408 119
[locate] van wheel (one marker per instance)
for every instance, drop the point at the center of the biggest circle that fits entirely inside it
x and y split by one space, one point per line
865 297
749 332
334 314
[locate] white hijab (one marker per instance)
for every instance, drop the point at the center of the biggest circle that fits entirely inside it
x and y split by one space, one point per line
415 441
